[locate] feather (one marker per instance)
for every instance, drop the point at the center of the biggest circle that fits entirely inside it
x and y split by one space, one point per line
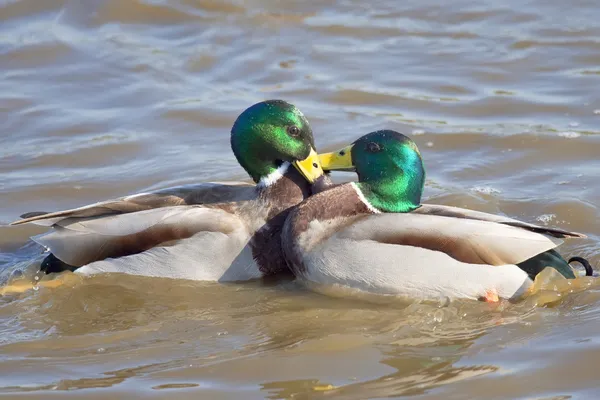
466 240
210 256
81 241
421 255
204 193
463 213
408 271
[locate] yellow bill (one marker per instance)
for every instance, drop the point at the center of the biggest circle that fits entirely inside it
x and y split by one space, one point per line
340 160
310 167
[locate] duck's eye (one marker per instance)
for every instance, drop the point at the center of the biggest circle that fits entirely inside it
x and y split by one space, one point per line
373 147
293 130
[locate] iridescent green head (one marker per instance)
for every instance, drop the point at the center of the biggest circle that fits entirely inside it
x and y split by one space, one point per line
270 133
389 168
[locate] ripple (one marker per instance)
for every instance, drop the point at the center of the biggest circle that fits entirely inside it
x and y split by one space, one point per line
569 134
105 98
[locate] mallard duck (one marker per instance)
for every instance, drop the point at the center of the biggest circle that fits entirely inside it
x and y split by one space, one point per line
211 231
375 236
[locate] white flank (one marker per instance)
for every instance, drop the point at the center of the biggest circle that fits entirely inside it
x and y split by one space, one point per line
274 176
362 198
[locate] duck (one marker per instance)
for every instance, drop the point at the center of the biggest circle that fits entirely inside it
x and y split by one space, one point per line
375 236
209 231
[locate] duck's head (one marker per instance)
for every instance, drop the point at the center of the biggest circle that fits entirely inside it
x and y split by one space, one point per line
390 170
271 133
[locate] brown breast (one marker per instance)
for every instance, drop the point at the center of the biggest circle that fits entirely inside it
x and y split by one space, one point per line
341 201
280 197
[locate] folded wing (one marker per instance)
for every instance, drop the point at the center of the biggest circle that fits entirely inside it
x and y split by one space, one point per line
80 241
462 213
471 241
204 193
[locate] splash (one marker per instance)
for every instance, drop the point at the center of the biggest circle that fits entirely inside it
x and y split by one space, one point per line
21 285
549 286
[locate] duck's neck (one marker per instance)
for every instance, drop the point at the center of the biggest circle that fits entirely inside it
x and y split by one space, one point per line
282 188
261 171
273 176
277 194
389 198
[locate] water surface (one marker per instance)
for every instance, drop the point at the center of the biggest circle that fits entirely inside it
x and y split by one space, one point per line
102 98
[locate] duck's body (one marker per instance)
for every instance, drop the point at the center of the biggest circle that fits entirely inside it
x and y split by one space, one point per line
214 232
334 238
376 237
211 231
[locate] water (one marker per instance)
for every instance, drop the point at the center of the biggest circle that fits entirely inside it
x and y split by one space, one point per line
105 98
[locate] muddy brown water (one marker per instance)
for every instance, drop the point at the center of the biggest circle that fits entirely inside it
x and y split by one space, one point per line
110 97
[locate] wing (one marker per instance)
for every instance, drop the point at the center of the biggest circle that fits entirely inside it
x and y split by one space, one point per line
206 256
467 240
80 241
408 271
463 213
422 255
204 193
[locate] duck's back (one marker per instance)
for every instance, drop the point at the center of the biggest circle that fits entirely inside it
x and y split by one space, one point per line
203 193
134 224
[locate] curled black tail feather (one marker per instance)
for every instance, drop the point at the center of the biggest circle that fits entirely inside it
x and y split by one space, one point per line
52 264
588 268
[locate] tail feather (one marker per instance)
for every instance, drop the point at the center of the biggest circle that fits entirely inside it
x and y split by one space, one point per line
589 271
52 264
